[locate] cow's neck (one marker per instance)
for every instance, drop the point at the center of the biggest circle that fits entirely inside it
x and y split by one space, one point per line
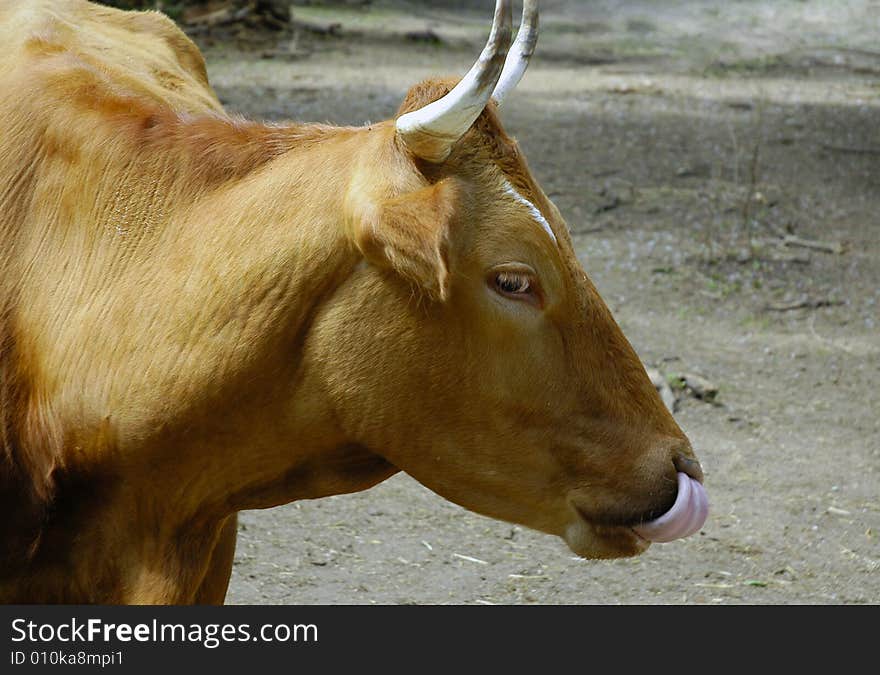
173 358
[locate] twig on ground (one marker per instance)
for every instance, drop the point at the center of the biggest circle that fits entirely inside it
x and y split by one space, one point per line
828 246
851 150
850 50
803 303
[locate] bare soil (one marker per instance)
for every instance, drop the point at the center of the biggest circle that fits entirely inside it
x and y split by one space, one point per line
683 141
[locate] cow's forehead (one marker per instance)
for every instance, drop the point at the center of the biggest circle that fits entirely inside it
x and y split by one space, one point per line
533 210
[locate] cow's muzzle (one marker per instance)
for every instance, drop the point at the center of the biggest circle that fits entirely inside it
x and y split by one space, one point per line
686 516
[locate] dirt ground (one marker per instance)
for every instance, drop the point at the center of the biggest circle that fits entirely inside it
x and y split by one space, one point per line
685 143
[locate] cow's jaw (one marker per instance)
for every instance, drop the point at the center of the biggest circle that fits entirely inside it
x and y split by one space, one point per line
589 540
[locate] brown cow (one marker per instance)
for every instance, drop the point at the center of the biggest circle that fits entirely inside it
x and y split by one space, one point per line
201 314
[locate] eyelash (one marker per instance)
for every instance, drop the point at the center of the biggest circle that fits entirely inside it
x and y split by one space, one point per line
510 283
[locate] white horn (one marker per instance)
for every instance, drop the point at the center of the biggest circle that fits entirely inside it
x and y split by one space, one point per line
519 55
430 132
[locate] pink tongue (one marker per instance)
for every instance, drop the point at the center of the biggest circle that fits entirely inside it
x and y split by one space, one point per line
685 517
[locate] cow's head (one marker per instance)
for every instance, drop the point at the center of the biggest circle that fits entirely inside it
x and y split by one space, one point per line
471 349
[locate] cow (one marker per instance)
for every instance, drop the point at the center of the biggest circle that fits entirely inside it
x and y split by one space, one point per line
202 314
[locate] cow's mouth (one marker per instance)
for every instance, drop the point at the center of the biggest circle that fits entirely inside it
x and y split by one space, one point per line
686 515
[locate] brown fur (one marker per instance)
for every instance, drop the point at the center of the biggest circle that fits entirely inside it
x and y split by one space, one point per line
201 314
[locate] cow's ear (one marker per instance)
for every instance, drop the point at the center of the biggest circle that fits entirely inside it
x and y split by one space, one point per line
410 234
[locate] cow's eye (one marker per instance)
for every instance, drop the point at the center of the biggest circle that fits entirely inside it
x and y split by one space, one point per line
517 281
512 283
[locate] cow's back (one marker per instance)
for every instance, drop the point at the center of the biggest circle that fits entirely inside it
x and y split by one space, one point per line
78 80
141 52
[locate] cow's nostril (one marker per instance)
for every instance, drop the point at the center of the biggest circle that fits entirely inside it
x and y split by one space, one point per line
688 465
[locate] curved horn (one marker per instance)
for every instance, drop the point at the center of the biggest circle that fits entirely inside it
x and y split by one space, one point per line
519 55
430 132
